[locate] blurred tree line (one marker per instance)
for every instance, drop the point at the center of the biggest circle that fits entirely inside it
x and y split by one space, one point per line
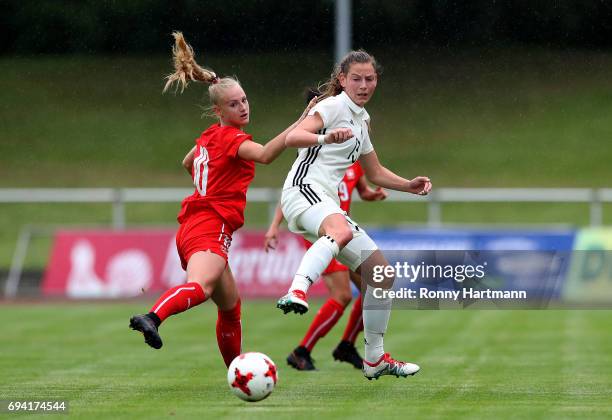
143 26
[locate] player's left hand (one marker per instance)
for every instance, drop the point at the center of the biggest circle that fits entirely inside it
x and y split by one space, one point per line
420 185
374 195
271 239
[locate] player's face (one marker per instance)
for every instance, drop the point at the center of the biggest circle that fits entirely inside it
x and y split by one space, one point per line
233 108
360 82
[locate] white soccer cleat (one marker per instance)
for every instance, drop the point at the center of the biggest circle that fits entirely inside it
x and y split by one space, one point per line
386 365
294 301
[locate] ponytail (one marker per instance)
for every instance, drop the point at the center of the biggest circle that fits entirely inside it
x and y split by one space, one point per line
185 67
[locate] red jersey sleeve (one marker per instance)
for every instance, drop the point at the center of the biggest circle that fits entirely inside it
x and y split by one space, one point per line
233 139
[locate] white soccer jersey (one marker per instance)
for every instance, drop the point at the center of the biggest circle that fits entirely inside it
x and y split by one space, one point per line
325 165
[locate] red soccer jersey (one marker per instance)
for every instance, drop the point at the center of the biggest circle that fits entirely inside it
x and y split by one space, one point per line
221 178
348 184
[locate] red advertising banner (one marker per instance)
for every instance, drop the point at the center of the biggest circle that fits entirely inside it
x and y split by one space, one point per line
112 264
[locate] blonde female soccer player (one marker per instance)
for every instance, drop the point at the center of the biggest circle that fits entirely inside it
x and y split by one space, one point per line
333 137
222 164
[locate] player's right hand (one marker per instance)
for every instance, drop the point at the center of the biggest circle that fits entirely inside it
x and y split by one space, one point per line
271 239
338 135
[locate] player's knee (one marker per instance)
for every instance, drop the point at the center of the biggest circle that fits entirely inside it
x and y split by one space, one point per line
342 236
343 297
207 287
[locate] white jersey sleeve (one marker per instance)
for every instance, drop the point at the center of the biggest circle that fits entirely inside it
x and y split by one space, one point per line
329 112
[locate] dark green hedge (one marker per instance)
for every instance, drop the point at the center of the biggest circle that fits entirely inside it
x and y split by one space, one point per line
118 26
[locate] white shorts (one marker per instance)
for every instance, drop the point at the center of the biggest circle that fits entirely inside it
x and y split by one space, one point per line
305 208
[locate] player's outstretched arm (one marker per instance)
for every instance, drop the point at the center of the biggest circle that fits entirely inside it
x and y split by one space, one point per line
188 160
366 193
304 135
383 177
250 150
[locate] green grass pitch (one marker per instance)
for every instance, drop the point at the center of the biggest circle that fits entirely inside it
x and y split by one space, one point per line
475 364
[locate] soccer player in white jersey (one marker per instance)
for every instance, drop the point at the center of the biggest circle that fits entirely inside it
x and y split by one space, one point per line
329 140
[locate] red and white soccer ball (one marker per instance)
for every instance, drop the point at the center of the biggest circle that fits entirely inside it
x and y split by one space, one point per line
252 376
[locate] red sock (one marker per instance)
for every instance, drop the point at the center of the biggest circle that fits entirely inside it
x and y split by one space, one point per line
355 322
178 299
229 333
324 320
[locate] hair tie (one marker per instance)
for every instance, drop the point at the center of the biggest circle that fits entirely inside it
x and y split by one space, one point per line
215 80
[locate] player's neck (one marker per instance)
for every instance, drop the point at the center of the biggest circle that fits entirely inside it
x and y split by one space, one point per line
226 124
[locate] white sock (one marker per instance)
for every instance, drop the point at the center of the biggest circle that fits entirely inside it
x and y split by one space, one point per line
374 345
316 259
376 314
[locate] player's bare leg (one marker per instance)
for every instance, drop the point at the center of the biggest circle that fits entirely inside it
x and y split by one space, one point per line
334 234
226 294
204 269
376 312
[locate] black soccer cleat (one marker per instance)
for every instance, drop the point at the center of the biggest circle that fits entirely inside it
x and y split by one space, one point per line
292 307
147 327
346 352
300 359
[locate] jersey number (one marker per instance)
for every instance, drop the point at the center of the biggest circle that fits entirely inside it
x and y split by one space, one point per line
343 191
355 152
200 171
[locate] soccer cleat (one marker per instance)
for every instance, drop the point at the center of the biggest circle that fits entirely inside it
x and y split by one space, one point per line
147 327
300 359
388 366
293 301
346 352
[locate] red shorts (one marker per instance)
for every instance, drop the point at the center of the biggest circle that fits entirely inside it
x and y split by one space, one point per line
334 266
203 231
